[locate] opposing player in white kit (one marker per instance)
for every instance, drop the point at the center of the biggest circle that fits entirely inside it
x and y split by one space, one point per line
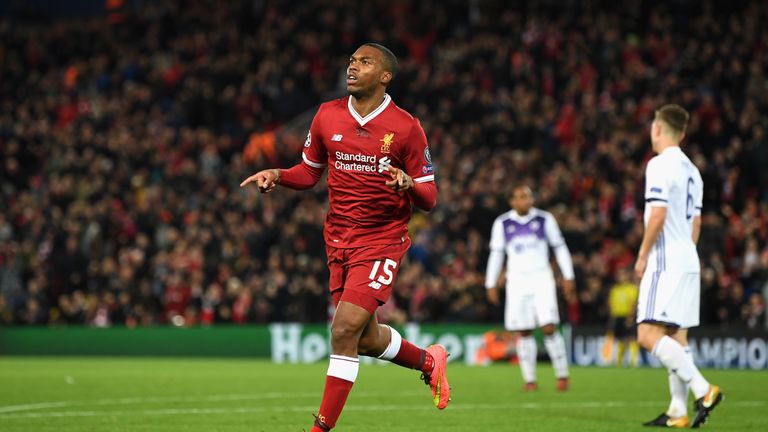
668 264
525 234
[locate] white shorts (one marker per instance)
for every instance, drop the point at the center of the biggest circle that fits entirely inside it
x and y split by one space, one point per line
531 302
669 298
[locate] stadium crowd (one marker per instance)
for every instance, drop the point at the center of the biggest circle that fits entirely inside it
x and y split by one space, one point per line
123 143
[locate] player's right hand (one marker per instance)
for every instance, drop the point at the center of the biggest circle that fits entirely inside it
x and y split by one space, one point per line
640 266
493 295
400 181
266 180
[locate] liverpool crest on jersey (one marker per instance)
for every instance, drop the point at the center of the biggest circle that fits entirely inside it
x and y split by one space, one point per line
387 140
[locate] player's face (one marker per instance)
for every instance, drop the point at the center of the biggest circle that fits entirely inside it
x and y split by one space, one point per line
365 71
522 200
655 134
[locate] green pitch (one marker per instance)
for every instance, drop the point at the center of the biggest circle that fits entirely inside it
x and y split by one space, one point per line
142 394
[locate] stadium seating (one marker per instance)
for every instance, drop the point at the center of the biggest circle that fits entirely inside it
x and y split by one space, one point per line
123 143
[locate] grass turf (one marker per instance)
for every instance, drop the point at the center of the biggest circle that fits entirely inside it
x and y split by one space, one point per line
149 394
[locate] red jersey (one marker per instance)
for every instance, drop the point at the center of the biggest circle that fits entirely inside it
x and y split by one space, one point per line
357 150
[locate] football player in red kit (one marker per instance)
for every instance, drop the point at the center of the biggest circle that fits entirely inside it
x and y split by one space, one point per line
378 166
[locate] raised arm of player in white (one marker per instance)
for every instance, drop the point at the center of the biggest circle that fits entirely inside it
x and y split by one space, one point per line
496 257
557 242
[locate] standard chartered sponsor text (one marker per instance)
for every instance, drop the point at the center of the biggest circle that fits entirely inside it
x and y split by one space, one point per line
358 162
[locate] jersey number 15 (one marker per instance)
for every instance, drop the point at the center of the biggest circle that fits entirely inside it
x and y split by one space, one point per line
383 279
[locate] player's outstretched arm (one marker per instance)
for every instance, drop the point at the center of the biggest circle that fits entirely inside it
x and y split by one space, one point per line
266 180
299 177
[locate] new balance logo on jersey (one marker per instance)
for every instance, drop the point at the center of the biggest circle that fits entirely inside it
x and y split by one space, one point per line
384 164
336 137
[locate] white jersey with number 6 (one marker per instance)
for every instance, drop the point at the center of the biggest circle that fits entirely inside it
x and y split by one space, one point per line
674 182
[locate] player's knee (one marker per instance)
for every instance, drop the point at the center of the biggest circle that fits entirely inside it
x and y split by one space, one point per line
343 332
647 338
645 342
548 330
526 332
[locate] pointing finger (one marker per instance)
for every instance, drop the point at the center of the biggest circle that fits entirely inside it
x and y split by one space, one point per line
246 181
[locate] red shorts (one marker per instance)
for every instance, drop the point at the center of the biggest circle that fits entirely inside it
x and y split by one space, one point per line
364 275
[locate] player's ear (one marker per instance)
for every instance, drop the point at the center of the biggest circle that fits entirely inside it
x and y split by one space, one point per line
386 77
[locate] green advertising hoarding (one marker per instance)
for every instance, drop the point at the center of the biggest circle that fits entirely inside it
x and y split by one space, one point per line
283 342
297 343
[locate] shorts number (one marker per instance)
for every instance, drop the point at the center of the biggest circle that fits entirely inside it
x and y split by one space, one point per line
383 279
689 200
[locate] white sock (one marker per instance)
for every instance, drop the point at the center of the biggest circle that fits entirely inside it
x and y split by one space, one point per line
678 390
526 355
343 367
555 345
672 355
395 341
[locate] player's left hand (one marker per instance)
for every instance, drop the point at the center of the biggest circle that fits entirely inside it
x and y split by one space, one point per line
640 266
400 180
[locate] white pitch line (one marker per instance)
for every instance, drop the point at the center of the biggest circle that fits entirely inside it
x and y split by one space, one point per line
175 399
34 406
424 407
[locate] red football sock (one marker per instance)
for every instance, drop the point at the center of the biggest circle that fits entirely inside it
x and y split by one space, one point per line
334 398
413 357
342 372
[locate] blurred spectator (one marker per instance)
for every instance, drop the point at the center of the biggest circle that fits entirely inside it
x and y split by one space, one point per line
754 311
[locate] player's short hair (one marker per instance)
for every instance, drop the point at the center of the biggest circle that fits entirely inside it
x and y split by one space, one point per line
521 186
390 61
674 116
